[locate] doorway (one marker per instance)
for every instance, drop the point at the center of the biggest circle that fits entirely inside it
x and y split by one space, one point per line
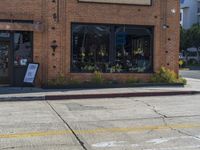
16 51
4 62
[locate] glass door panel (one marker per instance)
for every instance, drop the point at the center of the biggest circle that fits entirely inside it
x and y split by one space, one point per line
4 62
22 54
22 48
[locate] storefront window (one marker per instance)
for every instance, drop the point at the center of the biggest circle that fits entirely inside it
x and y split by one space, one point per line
111 48
133 49
90 48
22 48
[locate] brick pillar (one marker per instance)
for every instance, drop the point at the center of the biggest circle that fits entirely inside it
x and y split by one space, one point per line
55 38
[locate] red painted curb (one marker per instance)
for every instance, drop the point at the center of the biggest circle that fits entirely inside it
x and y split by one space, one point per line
118 95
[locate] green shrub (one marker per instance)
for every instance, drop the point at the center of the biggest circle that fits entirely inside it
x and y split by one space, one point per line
132 80
165 75
97 78
61 80
182 80
72 81
181 63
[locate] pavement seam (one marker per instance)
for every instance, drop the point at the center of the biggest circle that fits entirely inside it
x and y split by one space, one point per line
138 119
164 117
67 124
153 108
184 133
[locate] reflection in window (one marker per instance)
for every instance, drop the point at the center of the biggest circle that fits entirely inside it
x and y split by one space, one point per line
4 48
111 48
22 48
4 34
90 48
133 49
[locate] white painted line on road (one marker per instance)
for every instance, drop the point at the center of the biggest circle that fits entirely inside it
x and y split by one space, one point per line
110 144
114 144
135 145
159 141
163 140
177 148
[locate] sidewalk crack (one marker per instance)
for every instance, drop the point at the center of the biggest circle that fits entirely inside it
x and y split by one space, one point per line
164 117
70 128
184 133
153 108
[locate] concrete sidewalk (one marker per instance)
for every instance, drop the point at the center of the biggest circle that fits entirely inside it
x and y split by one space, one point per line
20 94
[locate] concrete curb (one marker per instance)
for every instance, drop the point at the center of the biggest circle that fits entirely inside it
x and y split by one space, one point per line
96 96
22 98
118 95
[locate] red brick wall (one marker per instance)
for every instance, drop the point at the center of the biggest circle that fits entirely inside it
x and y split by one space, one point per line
166 41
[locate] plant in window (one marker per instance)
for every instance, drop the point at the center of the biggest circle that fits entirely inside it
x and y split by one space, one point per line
100 44
92 50
112 69
116 68
91 54
107 67
141 69
128 63
125 53
89 67
138 51
102 51
119 54
82 54
133 69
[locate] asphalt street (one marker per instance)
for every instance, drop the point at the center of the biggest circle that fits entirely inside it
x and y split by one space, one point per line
151 123
195 74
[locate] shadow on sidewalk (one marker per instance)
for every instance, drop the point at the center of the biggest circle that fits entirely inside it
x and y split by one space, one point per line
21 90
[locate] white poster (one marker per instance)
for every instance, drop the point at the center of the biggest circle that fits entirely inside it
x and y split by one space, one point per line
135 2
31 73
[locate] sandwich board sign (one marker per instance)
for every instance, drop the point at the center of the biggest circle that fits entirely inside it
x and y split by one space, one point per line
31 73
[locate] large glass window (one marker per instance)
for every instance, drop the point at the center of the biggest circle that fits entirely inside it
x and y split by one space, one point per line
90 48
111 48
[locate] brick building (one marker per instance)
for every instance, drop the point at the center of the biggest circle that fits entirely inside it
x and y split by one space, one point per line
120 38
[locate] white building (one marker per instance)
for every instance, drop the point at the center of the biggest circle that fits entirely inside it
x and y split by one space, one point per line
190 13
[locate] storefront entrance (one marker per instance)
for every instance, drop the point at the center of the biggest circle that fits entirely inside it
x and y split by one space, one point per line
4 62
16 51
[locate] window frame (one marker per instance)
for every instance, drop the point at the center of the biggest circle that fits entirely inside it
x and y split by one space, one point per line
112 41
